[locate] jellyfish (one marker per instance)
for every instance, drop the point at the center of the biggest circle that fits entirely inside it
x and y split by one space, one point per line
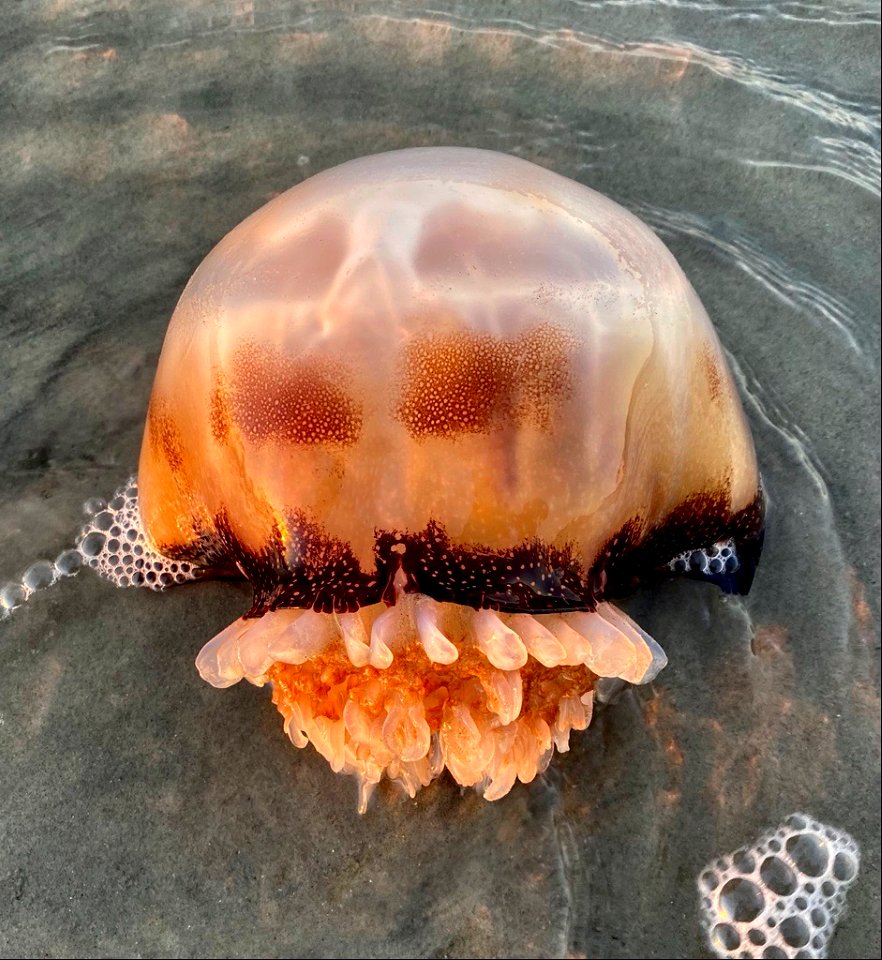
441 407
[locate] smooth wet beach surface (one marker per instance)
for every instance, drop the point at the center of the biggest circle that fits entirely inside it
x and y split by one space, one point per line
143 812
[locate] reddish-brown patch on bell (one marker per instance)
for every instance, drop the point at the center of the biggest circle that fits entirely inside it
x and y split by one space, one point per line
462 382
298 401
165 437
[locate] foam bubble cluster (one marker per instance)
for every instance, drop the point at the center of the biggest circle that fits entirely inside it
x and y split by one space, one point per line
783 896
113 543
717 560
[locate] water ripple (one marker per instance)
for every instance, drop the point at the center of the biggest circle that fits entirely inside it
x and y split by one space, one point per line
770 413
820 305
859 115
853 114
856 161
848 15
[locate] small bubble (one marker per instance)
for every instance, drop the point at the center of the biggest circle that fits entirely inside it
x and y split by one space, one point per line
709 880
809 853
115 530
827 888
774 953
716 565
795 931
819 917
68 562
844 867
725 937
39 575
113 545
756 937
166 579
741 900
774 845
94 505
122 581
12 595
93 544
131 535
138 550
137 579
743 861
117 503
797 821
777 876
103 521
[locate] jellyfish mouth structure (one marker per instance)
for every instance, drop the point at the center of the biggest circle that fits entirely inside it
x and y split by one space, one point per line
439 407
407 690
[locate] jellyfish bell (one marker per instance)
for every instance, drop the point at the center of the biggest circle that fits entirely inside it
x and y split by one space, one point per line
440 407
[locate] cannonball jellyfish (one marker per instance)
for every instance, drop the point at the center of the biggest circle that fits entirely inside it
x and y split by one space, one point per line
439 406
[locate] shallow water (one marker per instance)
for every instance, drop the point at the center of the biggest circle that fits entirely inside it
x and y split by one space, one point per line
144 813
